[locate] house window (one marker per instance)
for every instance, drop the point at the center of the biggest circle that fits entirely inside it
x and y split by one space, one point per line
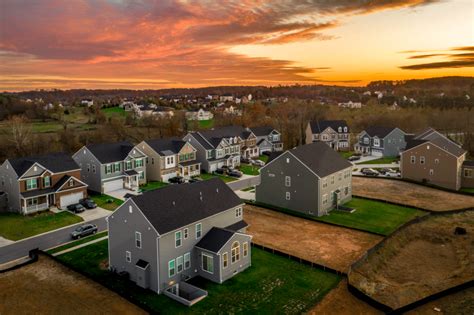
366 140
141 175
177 239
130 209
345 129
325 199
31 183
32 202
186 233
207 263
179 264
238 212
413 159
339 129
225 260
71 182
332 179
245 247
287 160
287 181
128 256
325 183
108 169
187 261
128 165
235 252
88 167
339 176
331 196
47 181
138 239
93 168
288 195
198 230
376 142
346 190
468 173
437 161
171 268
431 172
422 160
139 163
117 167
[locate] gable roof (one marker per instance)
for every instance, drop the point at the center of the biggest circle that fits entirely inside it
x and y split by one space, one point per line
438 139
215 239
321 125
110 152
262 130
320 158
166 146
212 138
54 162
379 131
175 206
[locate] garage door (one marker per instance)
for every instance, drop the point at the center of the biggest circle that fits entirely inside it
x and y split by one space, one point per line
113 185
70 199
377 153
167 177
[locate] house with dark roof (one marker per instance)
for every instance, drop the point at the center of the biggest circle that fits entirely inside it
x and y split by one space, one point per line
223 146
467 173
432 158
37 183
268 139
168 158
381 141
108 167
312 179
165 237
334 133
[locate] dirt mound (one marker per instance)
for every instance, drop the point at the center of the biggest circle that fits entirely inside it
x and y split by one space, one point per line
423 259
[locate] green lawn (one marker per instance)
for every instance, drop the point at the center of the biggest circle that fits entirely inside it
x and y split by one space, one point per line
15 226
263 158
206 124
226 179
152 186
272 285
346 154
384 160
105 201
249 169
468 190
78 242
114 111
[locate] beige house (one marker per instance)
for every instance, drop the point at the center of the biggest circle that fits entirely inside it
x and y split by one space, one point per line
335 133
432 158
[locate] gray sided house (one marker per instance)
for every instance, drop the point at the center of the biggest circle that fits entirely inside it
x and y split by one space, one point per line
109 167
312 179
268 139
167 236
334 133
381 141
168 158
37 183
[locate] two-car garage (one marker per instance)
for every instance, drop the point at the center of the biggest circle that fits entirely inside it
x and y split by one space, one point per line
113 185
70 199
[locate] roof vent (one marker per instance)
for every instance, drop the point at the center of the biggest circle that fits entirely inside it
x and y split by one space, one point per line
217 190
174 203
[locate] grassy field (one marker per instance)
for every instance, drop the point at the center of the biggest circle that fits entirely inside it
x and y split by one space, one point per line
346 154
107 202
263 158
249 169
206 124
226 179
15 226
384 160
78 242
372 216
114 111
272 285
152 186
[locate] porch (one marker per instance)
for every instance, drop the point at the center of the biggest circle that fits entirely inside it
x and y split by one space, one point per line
185 293
250 152
189 169
33 204
131 180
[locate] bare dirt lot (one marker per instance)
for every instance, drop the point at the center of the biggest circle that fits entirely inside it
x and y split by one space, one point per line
328 245
422 259
340 301
461 303
410 194
46 287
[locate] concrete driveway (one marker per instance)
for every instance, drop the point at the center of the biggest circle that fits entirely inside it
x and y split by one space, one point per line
93 214
120 194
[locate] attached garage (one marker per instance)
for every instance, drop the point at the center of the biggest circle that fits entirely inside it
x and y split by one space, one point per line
166 177
377 152
113 185
70 199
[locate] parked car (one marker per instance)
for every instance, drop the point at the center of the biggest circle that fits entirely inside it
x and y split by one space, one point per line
393 173
177 180
353 158
195 179
235 173
369 172
383 171
84 230
258 163
88 203
76 208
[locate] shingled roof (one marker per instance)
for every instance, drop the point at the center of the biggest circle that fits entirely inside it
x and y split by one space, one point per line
215 239
379 131
110 152
54 162
166 146
438 139
320 158
321 125
210 139
262 130
175 206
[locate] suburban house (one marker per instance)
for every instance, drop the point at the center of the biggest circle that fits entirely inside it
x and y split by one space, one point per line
312 179
432 158
381 141
167 236
37 183
223 146
334 133
168 158
268 139
467 180
199 114
110 167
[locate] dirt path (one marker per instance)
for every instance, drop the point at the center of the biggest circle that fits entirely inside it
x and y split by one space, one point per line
46 287
410 194
331 246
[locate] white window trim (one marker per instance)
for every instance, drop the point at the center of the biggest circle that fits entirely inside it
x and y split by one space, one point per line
169 268
128 256
196 227
287 181
188 255
138 239
176 239
185 233
226 254
232 253
288 195
202 263
245 253
180 258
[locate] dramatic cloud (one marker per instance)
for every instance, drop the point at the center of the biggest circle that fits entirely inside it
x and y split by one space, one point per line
451 59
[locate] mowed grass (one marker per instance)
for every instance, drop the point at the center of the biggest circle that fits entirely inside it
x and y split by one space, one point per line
468 190
384 160
206 124
78 242
105 201
114 111
152 186
346 154
373 216
264 158
272 285
15 226
249 169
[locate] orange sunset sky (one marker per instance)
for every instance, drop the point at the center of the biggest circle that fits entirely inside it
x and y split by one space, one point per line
142 44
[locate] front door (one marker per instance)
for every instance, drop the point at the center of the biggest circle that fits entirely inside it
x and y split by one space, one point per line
51 199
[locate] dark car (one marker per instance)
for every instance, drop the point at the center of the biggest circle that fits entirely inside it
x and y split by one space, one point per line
354 158
195 180
88 203
84 230
235 173
177 180
369 172
76 208
383 171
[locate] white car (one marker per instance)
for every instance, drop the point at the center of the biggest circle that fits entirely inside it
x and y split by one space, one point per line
258 162
393 174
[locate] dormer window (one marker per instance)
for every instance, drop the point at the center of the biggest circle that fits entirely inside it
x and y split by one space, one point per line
35 168
47 181
339 129
31 184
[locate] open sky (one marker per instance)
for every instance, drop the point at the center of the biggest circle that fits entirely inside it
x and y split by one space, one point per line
142 44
